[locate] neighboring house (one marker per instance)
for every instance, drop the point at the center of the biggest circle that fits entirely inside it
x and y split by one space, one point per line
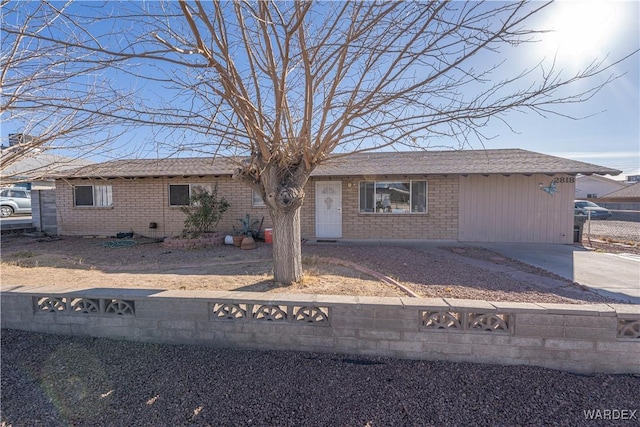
592 187
33 171
626 199
470 196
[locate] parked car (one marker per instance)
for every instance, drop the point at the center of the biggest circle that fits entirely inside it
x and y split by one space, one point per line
583 207
14 201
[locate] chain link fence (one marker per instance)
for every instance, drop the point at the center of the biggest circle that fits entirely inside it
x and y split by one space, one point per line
622 230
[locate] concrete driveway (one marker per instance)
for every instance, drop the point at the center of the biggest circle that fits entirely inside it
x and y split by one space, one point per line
612 275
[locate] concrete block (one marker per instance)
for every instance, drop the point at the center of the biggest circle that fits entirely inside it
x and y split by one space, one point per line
352 322
396 313
516 307
184 336
345 332
531 354
380 301
575 309
590 333
332 300
112 320
629 358
44 318
560 344
346 344
362 311
493 339
177 324
449 349
310 329
145 323
375 334
622 346
539 319
324 342
469 305
590 322
631 310
427 336
82 319
406 346
222 325
265 327
539 331
15 303
592 356
396 324
494 351
155 308
425 303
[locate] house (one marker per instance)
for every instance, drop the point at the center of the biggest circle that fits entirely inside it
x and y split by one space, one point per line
626 199
471 195
594 186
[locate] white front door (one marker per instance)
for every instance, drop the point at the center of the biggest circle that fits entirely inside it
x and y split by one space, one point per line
329 209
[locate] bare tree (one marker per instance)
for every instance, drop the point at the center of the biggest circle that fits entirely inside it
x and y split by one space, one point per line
288 85
54 102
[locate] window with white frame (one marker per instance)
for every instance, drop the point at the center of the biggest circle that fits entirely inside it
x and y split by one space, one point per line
393 196
179 194
256 199
99 196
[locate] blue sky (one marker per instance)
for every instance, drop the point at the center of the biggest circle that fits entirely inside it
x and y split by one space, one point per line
608 133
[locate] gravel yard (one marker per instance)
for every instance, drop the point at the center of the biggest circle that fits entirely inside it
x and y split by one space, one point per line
469 272
50 380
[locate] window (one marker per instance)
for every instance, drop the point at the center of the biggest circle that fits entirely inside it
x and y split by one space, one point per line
179 194
592 196
256 199
93 195
20 194
393 196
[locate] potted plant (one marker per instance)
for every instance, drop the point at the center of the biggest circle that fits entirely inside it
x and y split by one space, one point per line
247 232
237 238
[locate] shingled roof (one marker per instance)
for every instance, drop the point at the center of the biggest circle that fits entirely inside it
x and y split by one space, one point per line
630 191
464 162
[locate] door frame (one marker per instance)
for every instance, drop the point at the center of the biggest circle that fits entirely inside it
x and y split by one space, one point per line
317 216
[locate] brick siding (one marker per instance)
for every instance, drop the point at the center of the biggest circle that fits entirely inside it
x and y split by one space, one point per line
140 201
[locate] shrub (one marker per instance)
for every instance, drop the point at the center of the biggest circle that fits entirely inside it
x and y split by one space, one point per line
204 212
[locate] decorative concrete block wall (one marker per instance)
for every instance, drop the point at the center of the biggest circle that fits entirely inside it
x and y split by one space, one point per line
577 338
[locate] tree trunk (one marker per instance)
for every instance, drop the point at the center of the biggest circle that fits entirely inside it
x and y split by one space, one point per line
287 258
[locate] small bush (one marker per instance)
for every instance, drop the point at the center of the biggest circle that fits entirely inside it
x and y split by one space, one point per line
204 212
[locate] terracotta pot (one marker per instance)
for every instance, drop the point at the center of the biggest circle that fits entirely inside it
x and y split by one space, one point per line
248 243
237 240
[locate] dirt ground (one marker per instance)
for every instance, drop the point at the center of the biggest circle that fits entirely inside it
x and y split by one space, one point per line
455 272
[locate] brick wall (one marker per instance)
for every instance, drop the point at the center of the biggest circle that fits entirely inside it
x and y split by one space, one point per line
577 338
137 202
439 223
